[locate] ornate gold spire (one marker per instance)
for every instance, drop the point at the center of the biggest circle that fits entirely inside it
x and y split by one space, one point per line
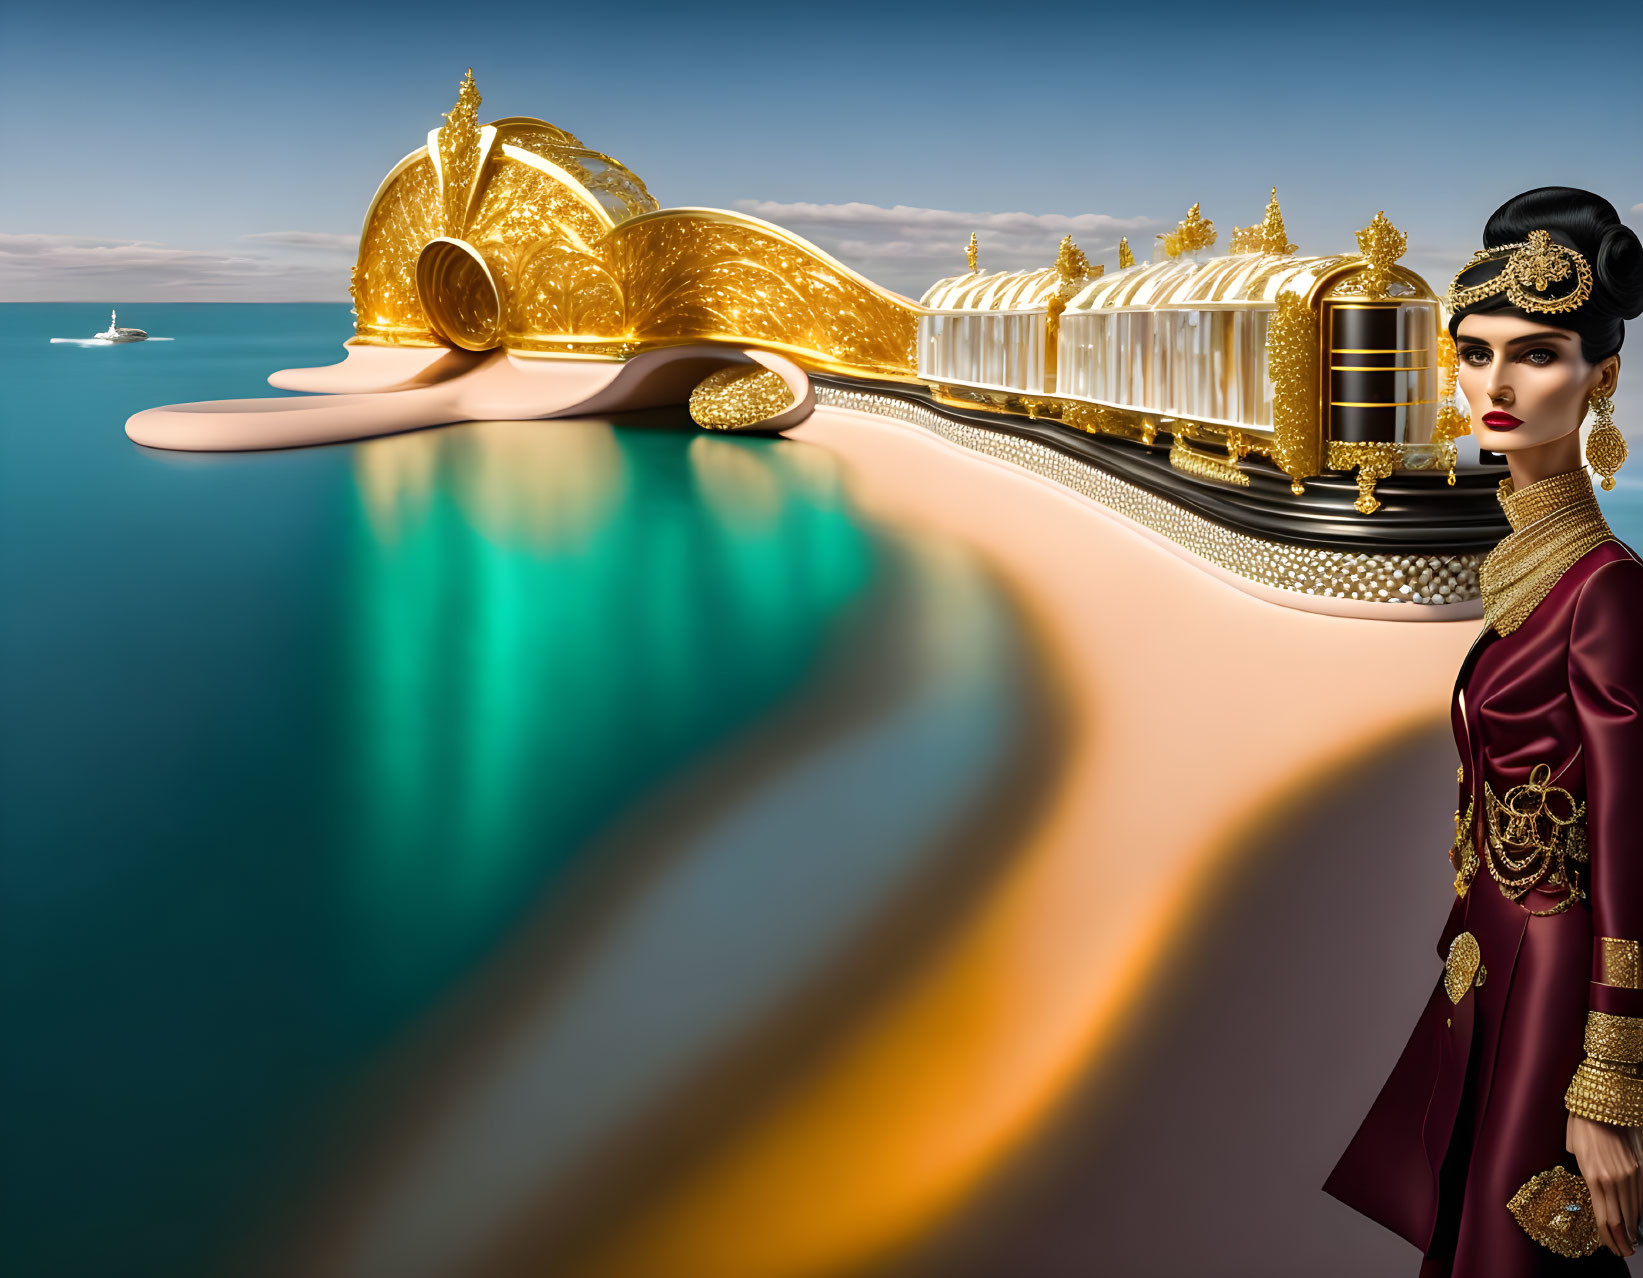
972 254
1380 244
1126 259
1071 263
1266 236
459 154
1193 233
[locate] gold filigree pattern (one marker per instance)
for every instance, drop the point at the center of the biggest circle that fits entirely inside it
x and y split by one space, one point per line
1191 462
1374 460
1535 835
1292 364
1555 1209
1464 855
972 254
1530 266
1463 966
1126 258
459 155
406 216
1380 244
1073 266
618 190
562 287
583 263
700 276
1620 963
1266 236
739 398
1192 233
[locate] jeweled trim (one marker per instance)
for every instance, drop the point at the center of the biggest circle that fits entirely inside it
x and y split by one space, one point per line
1614 1038
1370 576
1465 851
1606 1092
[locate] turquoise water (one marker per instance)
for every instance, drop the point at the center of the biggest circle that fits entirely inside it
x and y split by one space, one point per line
297 743
295 740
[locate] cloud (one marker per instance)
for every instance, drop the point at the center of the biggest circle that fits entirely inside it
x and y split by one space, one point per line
329 241
909 248
1637 208
92 268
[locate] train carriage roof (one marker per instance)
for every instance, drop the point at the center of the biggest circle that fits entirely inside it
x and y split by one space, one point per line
1244 280
997 291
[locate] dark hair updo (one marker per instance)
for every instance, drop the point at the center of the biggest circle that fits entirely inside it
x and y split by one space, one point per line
1588 224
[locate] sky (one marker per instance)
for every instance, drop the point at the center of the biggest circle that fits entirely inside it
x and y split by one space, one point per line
169 152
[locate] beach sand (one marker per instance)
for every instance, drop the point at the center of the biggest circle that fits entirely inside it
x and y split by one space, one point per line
1203 721
1229 784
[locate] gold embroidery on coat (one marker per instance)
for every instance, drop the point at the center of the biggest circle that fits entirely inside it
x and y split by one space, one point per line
1465 855
1555 1209
1465 961
1620 964
1535 832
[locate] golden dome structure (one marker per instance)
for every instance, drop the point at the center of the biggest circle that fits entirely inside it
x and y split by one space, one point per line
514 235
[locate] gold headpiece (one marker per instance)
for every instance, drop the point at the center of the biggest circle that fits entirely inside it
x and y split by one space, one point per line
1530 267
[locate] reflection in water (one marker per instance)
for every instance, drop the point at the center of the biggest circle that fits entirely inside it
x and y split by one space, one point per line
545 623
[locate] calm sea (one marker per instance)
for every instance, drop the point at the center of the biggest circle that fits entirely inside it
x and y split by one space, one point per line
294 741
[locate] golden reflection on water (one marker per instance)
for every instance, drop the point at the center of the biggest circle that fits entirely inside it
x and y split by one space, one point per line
546 486
744 481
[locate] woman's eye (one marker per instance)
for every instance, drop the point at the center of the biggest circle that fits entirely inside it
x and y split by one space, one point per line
1475 355
1541 356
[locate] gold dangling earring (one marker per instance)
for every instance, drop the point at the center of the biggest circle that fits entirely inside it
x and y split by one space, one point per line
1605 446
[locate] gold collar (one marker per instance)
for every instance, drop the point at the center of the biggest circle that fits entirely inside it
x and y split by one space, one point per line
1554 522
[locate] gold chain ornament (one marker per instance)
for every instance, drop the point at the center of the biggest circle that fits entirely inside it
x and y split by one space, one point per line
1536 832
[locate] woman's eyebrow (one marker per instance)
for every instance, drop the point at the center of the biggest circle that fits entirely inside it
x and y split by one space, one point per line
1551 334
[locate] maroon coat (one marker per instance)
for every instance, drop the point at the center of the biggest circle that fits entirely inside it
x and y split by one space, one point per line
1475 1105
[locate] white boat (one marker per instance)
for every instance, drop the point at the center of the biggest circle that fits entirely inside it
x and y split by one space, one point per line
113 333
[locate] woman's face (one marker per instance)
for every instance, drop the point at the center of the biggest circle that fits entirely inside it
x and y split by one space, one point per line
1526 382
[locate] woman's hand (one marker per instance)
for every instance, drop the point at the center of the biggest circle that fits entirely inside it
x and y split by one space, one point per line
1608 1157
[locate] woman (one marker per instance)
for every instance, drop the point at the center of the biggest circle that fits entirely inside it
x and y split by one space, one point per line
1507 1139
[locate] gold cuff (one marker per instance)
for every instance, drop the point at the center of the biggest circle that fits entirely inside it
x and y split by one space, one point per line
1614 1038
1606 1092
1620 963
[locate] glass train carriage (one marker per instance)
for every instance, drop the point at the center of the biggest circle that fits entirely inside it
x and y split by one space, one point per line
1315 362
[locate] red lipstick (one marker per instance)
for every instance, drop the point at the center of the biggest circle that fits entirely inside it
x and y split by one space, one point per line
1500 421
